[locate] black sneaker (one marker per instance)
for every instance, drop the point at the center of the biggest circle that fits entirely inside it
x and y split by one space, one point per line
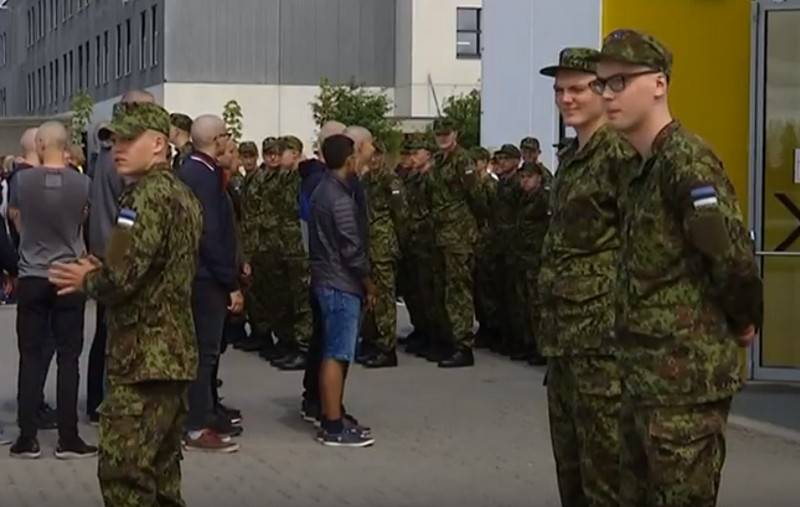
76 449
26 448
311 411
351 422
223 427
234 415
349 437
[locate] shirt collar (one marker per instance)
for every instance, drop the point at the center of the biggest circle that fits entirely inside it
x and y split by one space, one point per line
204 159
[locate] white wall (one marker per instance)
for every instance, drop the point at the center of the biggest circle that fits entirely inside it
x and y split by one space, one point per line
432 29
519 38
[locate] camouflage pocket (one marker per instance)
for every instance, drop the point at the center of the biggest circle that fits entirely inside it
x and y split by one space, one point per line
123 343
583 309
597 375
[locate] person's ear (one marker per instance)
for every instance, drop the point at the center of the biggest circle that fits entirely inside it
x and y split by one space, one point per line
661 85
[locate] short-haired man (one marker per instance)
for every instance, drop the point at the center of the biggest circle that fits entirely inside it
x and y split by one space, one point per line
180 129
51 201
215 290
690 287
340 283
145 284
576 289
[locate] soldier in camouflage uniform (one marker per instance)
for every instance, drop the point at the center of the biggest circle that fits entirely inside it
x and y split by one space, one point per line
145 284
385 203
248 158
452 193
180 136
576 290
486 254
690 291
289 277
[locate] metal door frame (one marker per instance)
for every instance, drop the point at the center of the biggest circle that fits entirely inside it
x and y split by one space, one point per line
760 9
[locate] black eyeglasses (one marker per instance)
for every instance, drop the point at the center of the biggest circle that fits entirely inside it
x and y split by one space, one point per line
618 82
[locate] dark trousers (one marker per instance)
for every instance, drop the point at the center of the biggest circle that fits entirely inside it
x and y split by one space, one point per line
41 312
209 309
314 354
95 376
48 351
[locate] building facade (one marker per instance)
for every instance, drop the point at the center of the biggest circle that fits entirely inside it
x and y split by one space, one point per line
269 55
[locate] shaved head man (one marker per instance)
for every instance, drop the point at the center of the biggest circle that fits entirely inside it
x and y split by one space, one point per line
28 144
328 129
364 149
51 202
209 135
138 97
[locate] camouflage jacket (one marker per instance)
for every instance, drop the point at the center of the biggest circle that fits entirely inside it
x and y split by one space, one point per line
287 208
689 281
506 206
416 234
235 190
452 195
533 218
485 209
259 223
385 205
580 253
146 282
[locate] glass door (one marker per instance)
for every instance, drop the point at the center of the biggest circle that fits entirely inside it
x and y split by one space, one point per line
775 180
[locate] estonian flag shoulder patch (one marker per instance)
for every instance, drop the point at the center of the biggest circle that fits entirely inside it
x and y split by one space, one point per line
704 197
126 218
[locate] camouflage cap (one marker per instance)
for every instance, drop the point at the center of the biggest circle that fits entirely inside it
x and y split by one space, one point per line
271 145
530 143
637 48
444 126
578 59
132 119
292 143
181 121
479 153
508 151
248 149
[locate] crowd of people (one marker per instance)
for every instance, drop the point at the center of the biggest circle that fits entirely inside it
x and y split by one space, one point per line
629 273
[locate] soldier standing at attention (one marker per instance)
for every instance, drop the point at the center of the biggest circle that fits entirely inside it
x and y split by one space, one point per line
145 283
180 128
690 289
576 289
385 203
451 191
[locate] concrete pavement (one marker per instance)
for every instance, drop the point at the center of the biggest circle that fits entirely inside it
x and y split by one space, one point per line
472 437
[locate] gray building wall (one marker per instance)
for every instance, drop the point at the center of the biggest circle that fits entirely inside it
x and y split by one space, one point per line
68 34
289 42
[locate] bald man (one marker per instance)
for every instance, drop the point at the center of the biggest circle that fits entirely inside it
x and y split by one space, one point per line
52 201
215 290
104 194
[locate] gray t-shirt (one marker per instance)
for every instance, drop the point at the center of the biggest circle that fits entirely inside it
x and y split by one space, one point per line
104 194
52 207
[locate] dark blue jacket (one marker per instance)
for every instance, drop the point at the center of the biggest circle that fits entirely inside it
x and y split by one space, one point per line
217 260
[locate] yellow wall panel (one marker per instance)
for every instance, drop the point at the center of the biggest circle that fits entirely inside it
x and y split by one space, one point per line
710 90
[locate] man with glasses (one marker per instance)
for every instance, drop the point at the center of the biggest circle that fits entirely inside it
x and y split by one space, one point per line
144 281
576 289
215 290
689 291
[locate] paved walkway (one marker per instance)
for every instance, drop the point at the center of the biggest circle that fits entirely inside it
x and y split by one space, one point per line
474 437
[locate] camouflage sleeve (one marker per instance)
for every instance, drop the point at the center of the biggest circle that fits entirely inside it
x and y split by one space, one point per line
398 203
136 241
252 211
713 225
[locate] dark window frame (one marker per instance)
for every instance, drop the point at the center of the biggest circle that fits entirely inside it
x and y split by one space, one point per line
477 31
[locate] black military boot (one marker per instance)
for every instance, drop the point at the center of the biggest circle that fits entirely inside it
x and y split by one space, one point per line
461 358
436 352
382 360
295 361
252 343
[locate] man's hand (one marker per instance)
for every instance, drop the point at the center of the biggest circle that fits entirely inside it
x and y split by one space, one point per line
9 284
746 337
68 277
237 302
371 294
247 270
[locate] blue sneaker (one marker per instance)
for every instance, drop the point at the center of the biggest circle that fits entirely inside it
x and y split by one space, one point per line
350 437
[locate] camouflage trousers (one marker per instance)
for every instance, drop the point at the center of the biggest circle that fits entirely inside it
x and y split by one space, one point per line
283 291
515 284
454 303
254 308
583 396
141 427
672 456
380 325
487 305
416 279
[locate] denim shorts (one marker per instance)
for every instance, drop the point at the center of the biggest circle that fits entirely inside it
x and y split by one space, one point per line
340 313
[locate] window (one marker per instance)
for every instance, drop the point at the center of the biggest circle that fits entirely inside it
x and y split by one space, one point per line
50 88
87 66
80 67
97 61
30 29
468 33
28 93
57 80
71 79
128 44
105 57
66 77
119 51
42 5
3 52
154 37
3 109
56 10
143 49
39 88
51 16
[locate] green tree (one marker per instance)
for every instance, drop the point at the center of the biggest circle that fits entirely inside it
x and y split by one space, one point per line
465 111
353 104
232 114
82 107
